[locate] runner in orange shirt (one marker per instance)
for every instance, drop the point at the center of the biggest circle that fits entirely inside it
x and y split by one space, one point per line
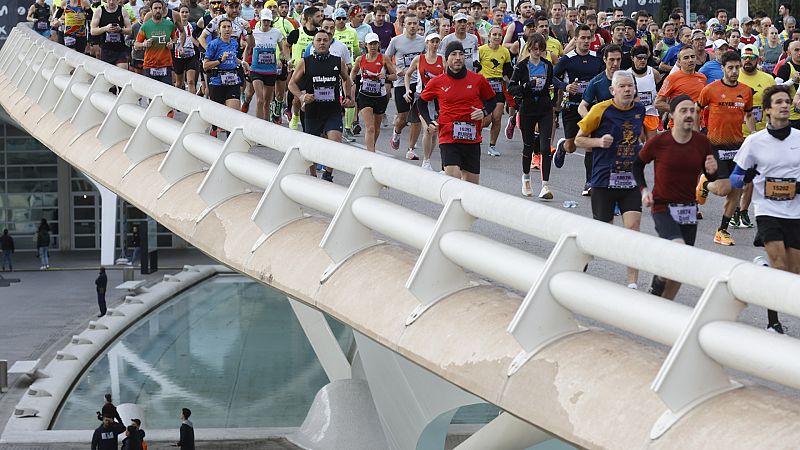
729 103
682 82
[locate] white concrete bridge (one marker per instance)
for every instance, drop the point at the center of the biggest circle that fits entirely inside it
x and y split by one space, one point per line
431 291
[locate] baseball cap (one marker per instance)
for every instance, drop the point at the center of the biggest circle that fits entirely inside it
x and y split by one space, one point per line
431 37
266 14
371 37
718 29
719 43
529 22
270 4
460 16
747 19
750 49
701 19
476 2
713 21
339 13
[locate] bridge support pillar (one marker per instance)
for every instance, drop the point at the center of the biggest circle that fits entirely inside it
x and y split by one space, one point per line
322 340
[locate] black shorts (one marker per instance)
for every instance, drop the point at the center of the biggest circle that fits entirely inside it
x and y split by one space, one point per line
570 119
378 104
724 166
413 114
667 228
114 57
181 65
137 63
221 94
266 78
771 229
399 101
320 125
604 200
79 44
166 79
94 40
466 156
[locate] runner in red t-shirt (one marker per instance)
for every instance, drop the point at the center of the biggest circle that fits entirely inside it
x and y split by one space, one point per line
681 155
464 98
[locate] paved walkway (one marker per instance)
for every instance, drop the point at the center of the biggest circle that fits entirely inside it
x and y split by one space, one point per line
271 444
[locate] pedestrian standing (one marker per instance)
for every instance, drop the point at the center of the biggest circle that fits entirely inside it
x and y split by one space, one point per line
187 430
136 245
101 283
7 246
43 244
105 436
108 410
131 441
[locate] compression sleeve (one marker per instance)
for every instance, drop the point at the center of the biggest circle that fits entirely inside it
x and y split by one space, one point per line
737 177
424 110
638 173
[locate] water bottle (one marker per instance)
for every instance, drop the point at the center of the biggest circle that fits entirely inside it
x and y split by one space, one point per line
570 204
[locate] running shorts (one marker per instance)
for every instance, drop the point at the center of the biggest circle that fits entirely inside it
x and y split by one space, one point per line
604 200
321 125
266 78
772 229
181 65
114 57
378 104
668 228
167 79
725 164
651 123
137 63
221 94
466 156
399 101
570 119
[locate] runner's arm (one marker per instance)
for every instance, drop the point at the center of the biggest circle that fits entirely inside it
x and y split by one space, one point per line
347 82
126 24
662 104
410 70
750 121
95 29
638 173
354 70
30 17
583 108
507 39
203 39
391 71
293 86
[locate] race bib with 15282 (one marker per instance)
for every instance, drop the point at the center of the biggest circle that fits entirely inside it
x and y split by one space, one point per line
780 189
683 214
464 131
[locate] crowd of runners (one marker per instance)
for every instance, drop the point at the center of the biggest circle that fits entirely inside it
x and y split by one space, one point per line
712 104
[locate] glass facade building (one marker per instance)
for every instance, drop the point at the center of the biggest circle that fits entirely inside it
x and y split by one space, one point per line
36 184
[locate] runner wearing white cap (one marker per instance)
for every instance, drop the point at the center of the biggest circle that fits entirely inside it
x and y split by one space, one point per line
372 71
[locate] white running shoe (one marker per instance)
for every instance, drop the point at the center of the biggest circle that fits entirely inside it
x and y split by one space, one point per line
633 286
545 193
526 185
493 151
411 155
426 164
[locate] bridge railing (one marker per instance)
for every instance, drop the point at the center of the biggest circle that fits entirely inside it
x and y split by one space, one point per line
704 340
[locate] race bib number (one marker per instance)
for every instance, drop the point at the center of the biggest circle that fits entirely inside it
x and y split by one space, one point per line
324 94
188 51
646 98
42 26
582 87
538 83
768 67
69 41
266 58
371 87
497 86
158 72
780 189
113 37
727 155
683 214
229 78
464 131
621 180
758 113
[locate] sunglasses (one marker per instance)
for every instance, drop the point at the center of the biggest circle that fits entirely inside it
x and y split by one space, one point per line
341 18
751 57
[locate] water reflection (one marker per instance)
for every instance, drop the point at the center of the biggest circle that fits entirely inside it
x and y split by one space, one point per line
229 349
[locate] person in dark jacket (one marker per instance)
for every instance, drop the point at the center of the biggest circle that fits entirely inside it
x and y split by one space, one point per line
105 436
187 431
101 283
43 244
7 246
139 429
109 410
132 441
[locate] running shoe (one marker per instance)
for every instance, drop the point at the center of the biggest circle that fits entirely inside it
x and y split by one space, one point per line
385 121
617 212
587 190
722 237
699 214
657 286
347 136
411 155
294 123
545 193
700 192
775 327
510 125
633 286
426 164
327 176
560 154
245 107
356 128
395 140
526 185
493 151
213 132
536 162
288 114
744 220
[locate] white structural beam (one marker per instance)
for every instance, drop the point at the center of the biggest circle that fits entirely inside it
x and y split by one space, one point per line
505 432
323 341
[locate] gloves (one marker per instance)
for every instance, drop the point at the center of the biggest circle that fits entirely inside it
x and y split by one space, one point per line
750 174
477 65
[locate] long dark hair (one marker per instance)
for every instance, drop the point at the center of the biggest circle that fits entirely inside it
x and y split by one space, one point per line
44 226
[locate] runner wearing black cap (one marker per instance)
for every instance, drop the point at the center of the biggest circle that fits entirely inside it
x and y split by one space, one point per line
464 98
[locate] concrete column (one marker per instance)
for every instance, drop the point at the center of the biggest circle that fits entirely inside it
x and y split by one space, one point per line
742 8
108 223
323 341
506 432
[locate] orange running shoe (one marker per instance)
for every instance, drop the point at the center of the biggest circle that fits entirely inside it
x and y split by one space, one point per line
701 192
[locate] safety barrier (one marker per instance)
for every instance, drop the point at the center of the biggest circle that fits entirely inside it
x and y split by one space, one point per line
704 340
